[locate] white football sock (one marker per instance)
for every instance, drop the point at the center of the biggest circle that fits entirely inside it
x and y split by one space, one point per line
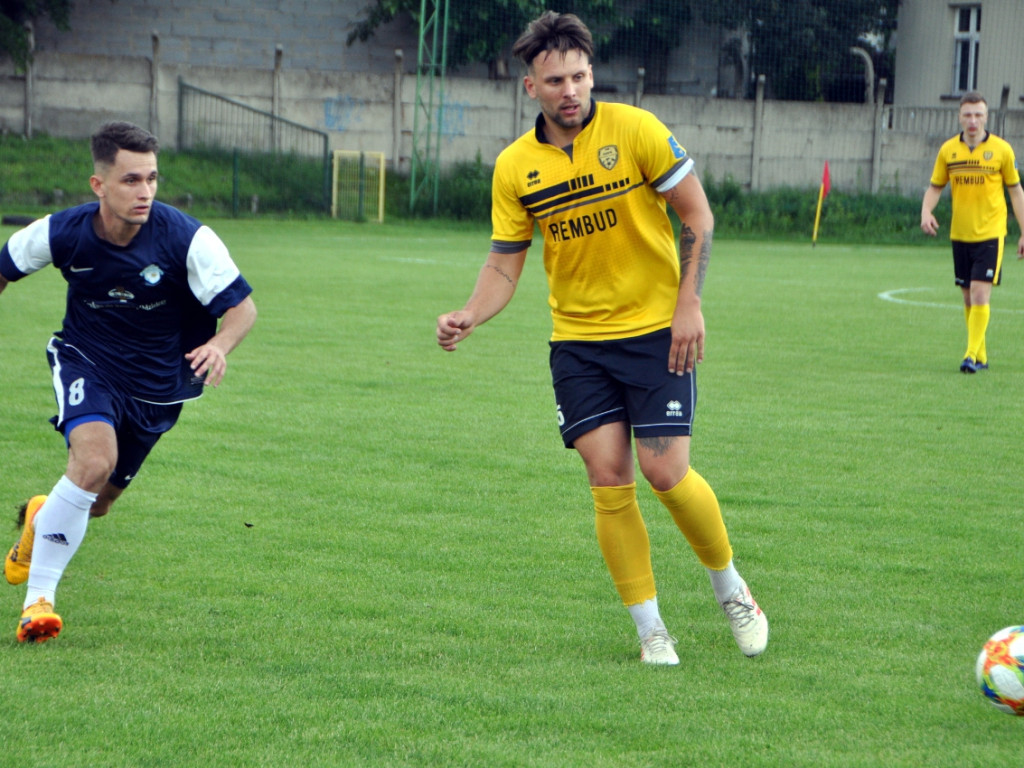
59 529
725 582
646 616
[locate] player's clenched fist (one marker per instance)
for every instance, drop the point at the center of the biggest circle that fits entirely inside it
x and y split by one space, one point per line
452 328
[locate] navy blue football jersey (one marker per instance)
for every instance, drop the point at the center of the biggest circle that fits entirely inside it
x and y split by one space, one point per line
134 310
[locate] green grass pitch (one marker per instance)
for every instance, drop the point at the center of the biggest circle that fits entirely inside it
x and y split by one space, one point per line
362 551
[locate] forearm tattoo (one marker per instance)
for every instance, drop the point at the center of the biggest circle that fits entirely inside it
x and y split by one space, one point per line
687 238
705 257
502 272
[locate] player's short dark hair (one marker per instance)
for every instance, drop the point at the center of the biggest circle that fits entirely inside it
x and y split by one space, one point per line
110 137
973 97
562 32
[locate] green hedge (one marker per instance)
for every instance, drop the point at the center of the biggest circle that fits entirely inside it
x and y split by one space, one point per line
465 194
34 171
789 213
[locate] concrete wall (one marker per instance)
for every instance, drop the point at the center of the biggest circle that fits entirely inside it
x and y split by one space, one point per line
759 144
244 34
123 60
230 34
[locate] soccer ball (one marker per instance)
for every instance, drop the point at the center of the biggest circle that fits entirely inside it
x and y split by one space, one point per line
1000 670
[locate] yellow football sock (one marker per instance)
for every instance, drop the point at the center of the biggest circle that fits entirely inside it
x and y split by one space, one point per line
622 536
695 509
977 324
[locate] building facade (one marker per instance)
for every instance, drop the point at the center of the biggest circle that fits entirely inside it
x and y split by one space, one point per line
947 47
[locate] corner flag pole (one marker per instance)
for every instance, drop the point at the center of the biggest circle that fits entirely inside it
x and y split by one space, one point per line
823 190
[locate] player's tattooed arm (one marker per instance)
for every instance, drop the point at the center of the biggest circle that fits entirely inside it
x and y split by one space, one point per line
687 241
501 272
702 262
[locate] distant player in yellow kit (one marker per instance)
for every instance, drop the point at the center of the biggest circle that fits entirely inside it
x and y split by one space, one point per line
979 165
626 309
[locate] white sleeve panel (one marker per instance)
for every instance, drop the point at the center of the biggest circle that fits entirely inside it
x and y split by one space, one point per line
677 176
30 247
210 268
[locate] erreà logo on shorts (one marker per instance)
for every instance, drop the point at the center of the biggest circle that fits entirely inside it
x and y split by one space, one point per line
674 408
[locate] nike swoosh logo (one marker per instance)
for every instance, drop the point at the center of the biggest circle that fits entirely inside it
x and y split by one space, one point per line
82 269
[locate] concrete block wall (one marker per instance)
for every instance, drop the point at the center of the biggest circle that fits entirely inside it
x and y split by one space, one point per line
109 68
228 33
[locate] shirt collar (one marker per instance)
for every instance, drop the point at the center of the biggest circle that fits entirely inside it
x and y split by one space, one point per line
538 129
983 138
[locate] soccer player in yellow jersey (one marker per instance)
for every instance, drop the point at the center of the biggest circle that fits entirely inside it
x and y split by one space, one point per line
979 165
626 310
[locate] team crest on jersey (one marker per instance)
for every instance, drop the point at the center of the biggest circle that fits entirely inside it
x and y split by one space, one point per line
988 155
152 274
608 156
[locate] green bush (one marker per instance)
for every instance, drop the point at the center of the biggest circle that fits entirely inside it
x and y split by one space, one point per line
788 213
44 173
47 173
283 183
464 194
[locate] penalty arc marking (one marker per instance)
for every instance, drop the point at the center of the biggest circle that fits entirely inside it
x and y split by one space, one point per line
897 296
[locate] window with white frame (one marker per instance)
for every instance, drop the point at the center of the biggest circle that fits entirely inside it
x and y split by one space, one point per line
966 37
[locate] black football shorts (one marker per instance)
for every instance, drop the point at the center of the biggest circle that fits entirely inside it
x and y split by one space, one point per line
981 261
601 382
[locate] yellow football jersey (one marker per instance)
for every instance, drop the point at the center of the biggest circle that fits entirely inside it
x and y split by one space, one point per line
978 179
609 249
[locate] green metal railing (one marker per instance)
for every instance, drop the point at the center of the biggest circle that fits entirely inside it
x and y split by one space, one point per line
276 164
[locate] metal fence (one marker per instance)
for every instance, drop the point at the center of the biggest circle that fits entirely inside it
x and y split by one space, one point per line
276 164
926 121
941 122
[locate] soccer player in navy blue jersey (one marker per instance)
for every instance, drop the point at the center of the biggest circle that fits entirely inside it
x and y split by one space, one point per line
146 287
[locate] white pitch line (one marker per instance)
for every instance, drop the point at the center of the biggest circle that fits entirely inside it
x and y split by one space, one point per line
895 297
427 262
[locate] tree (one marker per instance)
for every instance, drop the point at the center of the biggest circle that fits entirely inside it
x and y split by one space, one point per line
480 31
649 32
801 46
15 14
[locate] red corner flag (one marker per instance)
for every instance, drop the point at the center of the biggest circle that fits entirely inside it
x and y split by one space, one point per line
823 190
